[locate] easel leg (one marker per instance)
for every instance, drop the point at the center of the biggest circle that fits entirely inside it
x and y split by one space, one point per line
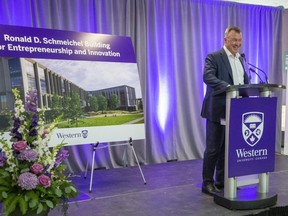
124 158
130 142
92 168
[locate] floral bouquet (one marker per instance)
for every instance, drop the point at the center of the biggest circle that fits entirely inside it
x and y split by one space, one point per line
31 176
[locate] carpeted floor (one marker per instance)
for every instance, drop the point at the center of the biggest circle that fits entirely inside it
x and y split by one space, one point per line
172 188
274 211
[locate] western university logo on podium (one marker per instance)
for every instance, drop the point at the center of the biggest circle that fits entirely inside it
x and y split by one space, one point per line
252 130
252 127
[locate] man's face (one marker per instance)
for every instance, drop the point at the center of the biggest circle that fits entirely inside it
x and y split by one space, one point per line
233 42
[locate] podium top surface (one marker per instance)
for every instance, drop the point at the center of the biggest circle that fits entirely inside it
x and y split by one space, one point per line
254 89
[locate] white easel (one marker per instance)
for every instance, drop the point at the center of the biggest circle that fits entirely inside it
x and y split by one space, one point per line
93 161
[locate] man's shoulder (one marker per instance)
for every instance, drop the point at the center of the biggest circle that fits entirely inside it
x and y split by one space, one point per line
218 52
217 55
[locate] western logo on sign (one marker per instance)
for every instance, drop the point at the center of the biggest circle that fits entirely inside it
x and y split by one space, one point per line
252 127
84 133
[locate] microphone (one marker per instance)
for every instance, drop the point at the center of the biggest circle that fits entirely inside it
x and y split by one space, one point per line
243 56
250 77
250 69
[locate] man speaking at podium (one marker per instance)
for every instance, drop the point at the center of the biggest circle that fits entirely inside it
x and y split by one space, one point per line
222 68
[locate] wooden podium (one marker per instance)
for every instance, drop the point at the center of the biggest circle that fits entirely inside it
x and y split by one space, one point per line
249 149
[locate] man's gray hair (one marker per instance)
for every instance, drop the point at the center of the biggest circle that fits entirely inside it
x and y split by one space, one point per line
231 28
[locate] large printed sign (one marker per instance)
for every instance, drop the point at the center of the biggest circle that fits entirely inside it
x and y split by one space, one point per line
252 129
55 62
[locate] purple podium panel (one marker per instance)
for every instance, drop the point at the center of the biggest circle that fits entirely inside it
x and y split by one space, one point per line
252 131
16 41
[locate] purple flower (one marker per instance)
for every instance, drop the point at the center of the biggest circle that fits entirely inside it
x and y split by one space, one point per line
15 134
28 181
46 168
2 160
20 146
33 132
34 120
18 136
36 168
44 180
14 130
28 155
45 133
62 155
31 101
17 122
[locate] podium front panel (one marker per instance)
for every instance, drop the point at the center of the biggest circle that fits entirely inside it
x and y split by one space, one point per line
252 129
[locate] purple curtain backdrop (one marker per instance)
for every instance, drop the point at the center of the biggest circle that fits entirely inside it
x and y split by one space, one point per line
171 39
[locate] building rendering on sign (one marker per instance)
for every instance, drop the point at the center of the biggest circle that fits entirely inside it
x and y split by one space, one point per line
27 74
126 95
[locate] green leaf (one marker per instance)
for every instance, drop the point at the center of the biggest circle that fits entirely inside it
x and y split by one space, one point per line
32 195
9 198
58 192
4 194
74 189
4 188
32 203
23 205
68 190
10 203
49 204
40 208
24 170
4 174
3 182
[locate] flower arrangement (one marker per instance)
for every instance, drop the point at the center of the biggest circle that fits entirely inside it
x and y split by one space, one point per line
31 174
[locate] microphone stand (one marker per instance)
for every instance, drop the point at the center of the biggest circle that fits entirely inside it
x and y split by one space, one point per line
265 75
250 69
261 81
250 76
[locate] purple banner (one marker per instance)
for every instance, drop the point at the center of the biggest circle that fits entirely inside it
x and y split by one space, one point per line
252 136
16 41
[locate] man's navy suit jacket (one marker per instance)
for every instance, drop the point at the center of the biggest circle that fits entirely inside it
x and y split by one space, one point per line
217 76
